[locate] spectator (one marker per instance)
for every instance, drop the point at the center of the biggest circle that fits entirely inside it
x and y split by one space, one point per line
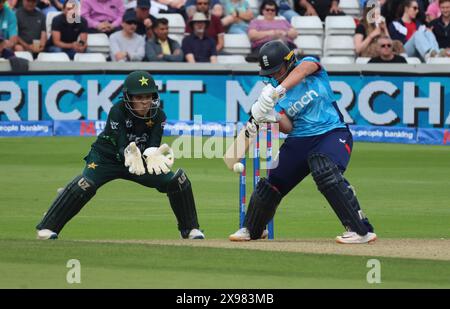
198 47
237 16
433 11
215 7
416 38
386 52
441 28
125 44
32 28
367 32
161 47
268 28
286 10
47 6
144 19
68 35
321 8
215 29
5 53
393 9
103 16
8 22
174 6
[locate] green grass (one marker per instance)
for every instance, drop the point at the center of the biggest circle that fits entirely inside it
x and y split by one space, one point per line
402 188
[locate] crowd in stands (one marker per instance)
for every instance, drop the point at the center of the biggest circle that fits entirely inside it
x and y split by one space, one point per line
385 30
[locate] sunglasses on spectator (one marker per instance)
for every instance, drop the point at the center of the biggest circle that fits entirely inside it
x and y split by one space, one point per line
269 10
415 8
386 45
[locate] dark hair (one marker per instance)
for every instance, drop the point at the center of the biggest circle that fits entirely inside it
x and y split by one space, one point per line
268 2
442 1
407 4
160 21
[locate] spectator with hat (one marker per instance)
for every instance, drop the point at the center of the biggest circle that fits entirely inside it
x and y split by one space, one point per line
198 47
144 19
125 44
103 16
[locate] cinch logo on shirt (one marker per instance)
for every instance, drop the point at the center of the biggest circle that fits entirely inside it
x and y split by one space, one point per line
300 104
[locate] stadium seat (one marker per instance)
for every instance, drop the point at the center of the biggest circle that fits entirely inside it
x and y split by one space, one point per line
309 44
98 43
350 7
439 60
229 59
48 22
237 44
339 45
339 25
337 60
176 22
177 37
53 57
307 25
89 57
254 6
24 55
413 60
362 60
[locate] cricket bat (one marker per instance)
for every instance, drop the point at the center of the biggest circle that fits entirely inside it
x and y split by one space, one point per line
239 148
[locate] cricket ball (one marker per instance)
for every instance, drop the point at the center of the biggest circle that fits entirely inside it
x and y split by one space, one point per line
238 167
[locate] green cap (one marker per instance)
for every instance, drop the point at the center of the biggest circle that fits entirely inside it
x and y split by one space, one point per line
139 82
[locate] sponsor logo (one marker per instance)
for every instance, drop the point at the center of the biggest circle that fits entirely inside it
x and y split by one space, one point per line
297 106
265 61
114 125
128 123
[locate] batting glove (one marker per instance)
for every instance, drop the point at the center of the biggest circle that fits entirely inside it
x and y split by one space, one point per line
159 160
269 97
133 159
263 117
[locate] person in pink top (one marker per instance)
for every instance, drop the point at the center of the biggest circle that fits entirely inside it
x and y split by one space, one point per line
268 27
103 15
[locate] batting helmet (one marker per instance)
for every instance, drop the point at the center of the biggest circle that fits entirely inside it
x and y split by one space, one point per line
273 55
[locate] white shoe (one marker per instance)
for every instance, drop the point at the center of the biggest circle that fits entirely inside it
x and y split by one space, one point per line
243 234
46 234
354 238
196 234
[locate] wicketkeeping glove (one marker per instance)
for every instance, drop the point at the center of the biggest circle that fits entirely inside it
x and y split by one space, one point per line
159 159
133 159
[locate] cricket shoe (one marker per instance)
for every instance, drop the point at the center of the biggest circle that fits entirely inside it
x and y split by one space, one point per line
243 234
354 238
192 234
46 234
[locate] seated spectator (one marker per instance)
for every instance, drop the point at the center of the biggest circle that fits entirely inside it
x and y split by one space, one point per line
321 8
238 14
433 11
68 36
161 47
367 32
8 22
215 29
125 44
32 28
386 52
268 28
215 7
173 6
103 16
441 28
47 6
286 10
198 47
5 53
393 9
144 19
416 38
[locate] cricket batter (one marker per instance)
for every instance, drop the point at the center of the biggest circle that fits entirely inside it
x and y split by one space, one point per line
129 148
300 99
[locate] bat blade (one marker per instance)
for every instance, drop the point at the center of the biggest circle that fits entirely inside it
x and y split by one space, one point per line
241 144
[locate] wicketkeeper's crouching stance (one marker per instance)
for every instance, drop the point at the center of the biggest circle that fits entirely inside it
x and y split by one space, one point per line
318 142
128 146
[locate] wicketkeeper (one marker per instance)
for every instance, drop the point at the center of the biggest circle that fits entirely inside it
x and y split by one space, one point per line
301 101
129 148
